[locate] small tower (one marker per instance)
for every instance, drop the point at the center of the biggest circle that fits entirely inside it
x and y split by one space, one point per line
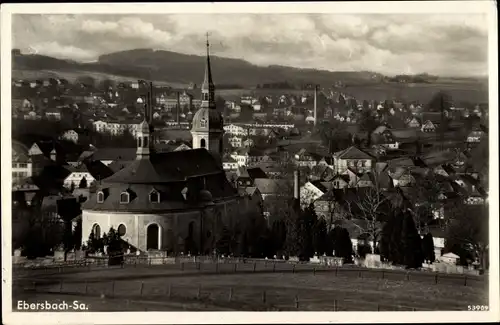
144 142
207 126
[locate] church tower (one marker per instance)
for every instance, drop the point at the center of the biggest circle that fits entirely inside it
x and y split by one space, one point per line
207 126
145 145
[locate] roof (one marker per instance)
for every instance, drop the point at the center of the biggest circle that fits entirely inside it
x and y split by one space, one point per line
168 167
253 173
352 153
451 255
273 186
115 154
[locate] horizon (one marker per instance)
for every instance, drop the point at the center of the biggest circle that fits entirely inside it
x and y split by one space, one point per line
389 44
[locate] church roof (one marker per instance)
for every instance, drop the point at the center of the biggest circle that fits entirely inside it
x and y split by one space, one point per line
167 167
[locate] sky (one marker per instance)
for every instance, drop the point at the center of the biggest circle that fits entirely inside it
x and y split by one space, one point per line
445 45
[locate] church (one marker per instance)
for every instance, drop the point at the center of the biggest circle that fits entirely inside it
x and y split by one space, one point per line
175 201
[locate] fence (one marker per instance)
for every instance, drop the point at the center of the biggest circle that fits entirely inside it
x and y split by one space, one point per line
229 298
187 266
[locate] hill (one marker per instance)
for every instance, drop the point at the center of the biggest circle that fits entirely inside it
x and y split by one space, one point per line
179 68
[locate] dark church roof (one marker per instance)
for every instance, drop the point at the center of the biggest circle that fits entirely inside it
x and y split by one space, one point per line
167 167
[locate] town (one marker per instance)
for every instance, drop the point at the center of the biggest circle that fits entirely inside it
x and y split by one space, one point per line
132 169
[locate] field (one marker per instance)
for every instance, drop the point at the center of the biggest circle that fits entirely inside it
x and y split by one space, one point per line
170 288
473 92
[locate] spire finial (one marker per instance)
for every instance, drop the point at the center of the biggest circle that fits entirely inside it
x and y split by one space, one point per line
208 43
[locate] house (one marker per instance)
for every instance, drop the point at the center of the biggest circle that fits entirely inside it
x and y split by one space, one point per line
311 191
475 136
449 258
235 141
340 181
248 143
77 174
428 126
304 158
70 135
235 130
249 156
353 158
22 166
365 180
245 176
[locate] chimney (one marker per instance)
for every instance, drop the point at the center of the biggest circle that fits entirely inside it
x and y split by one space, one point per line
296 186
315 103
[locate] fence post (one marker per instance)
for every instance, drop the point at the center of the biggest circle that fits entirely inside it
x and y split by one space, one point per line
274 267
314 271
182 266
264 297
169 291
216 267
235 266
142 287
135 263
359 274
198 294
297 302
414 309
230 294
293 268
436 279
336 270
465 281
408 276
61 286
254 266
335 305
378 307
383 274
113 289
86 287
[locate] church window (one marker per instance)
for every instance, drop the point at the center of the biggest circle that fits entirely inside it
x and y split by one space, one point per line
145 142
124 197
154 197
122 230
100 197
203 143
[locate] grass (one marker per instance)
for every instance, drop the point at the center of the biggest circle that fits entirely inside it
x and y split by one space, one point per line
318 291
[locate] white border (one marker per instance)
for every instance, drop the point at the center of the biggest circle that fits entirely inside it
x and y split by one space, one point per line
467 7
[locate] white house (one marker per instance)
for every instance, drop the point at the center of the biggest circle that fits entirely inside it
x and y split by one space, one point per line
352 158
234 129
449 258
70 135
311 191
76 175
475 136
428 126
229 164
235 141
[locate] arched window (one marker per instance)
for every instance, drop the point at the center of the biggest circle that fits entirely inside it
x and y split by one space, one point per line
100 197
122 230
202 143
154 197
96 229
146 142
153 237
124 197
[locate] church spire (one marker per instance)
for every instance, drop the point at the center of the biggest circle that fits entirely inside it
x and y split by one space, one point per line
208 88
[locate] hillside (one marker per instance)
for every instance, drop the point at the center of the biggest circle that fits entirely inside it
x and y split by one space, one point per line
180 68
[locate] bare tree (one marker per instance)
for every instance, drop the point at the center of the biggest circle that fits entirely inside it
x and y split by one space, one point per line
371 206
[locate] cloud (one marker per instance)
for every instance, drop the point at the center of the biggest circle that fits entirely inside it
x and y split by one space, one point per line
391 44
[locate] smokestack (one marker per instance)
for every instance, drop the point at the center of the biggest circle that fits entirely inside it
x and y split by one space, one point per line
315 103
178 109
296 186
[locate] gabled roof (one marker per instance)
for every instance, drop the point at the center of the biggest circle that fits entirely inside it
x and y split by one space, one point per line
273 186
352 153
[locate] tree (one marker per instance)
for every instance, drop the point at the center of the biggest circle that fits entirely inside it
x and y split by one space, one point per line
320 237
223 245
428 189
342 245
411 242
371 207
83 183
480 161
88 81
278 236
466 232
428 248
440 101
106 84
390 245
368 123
